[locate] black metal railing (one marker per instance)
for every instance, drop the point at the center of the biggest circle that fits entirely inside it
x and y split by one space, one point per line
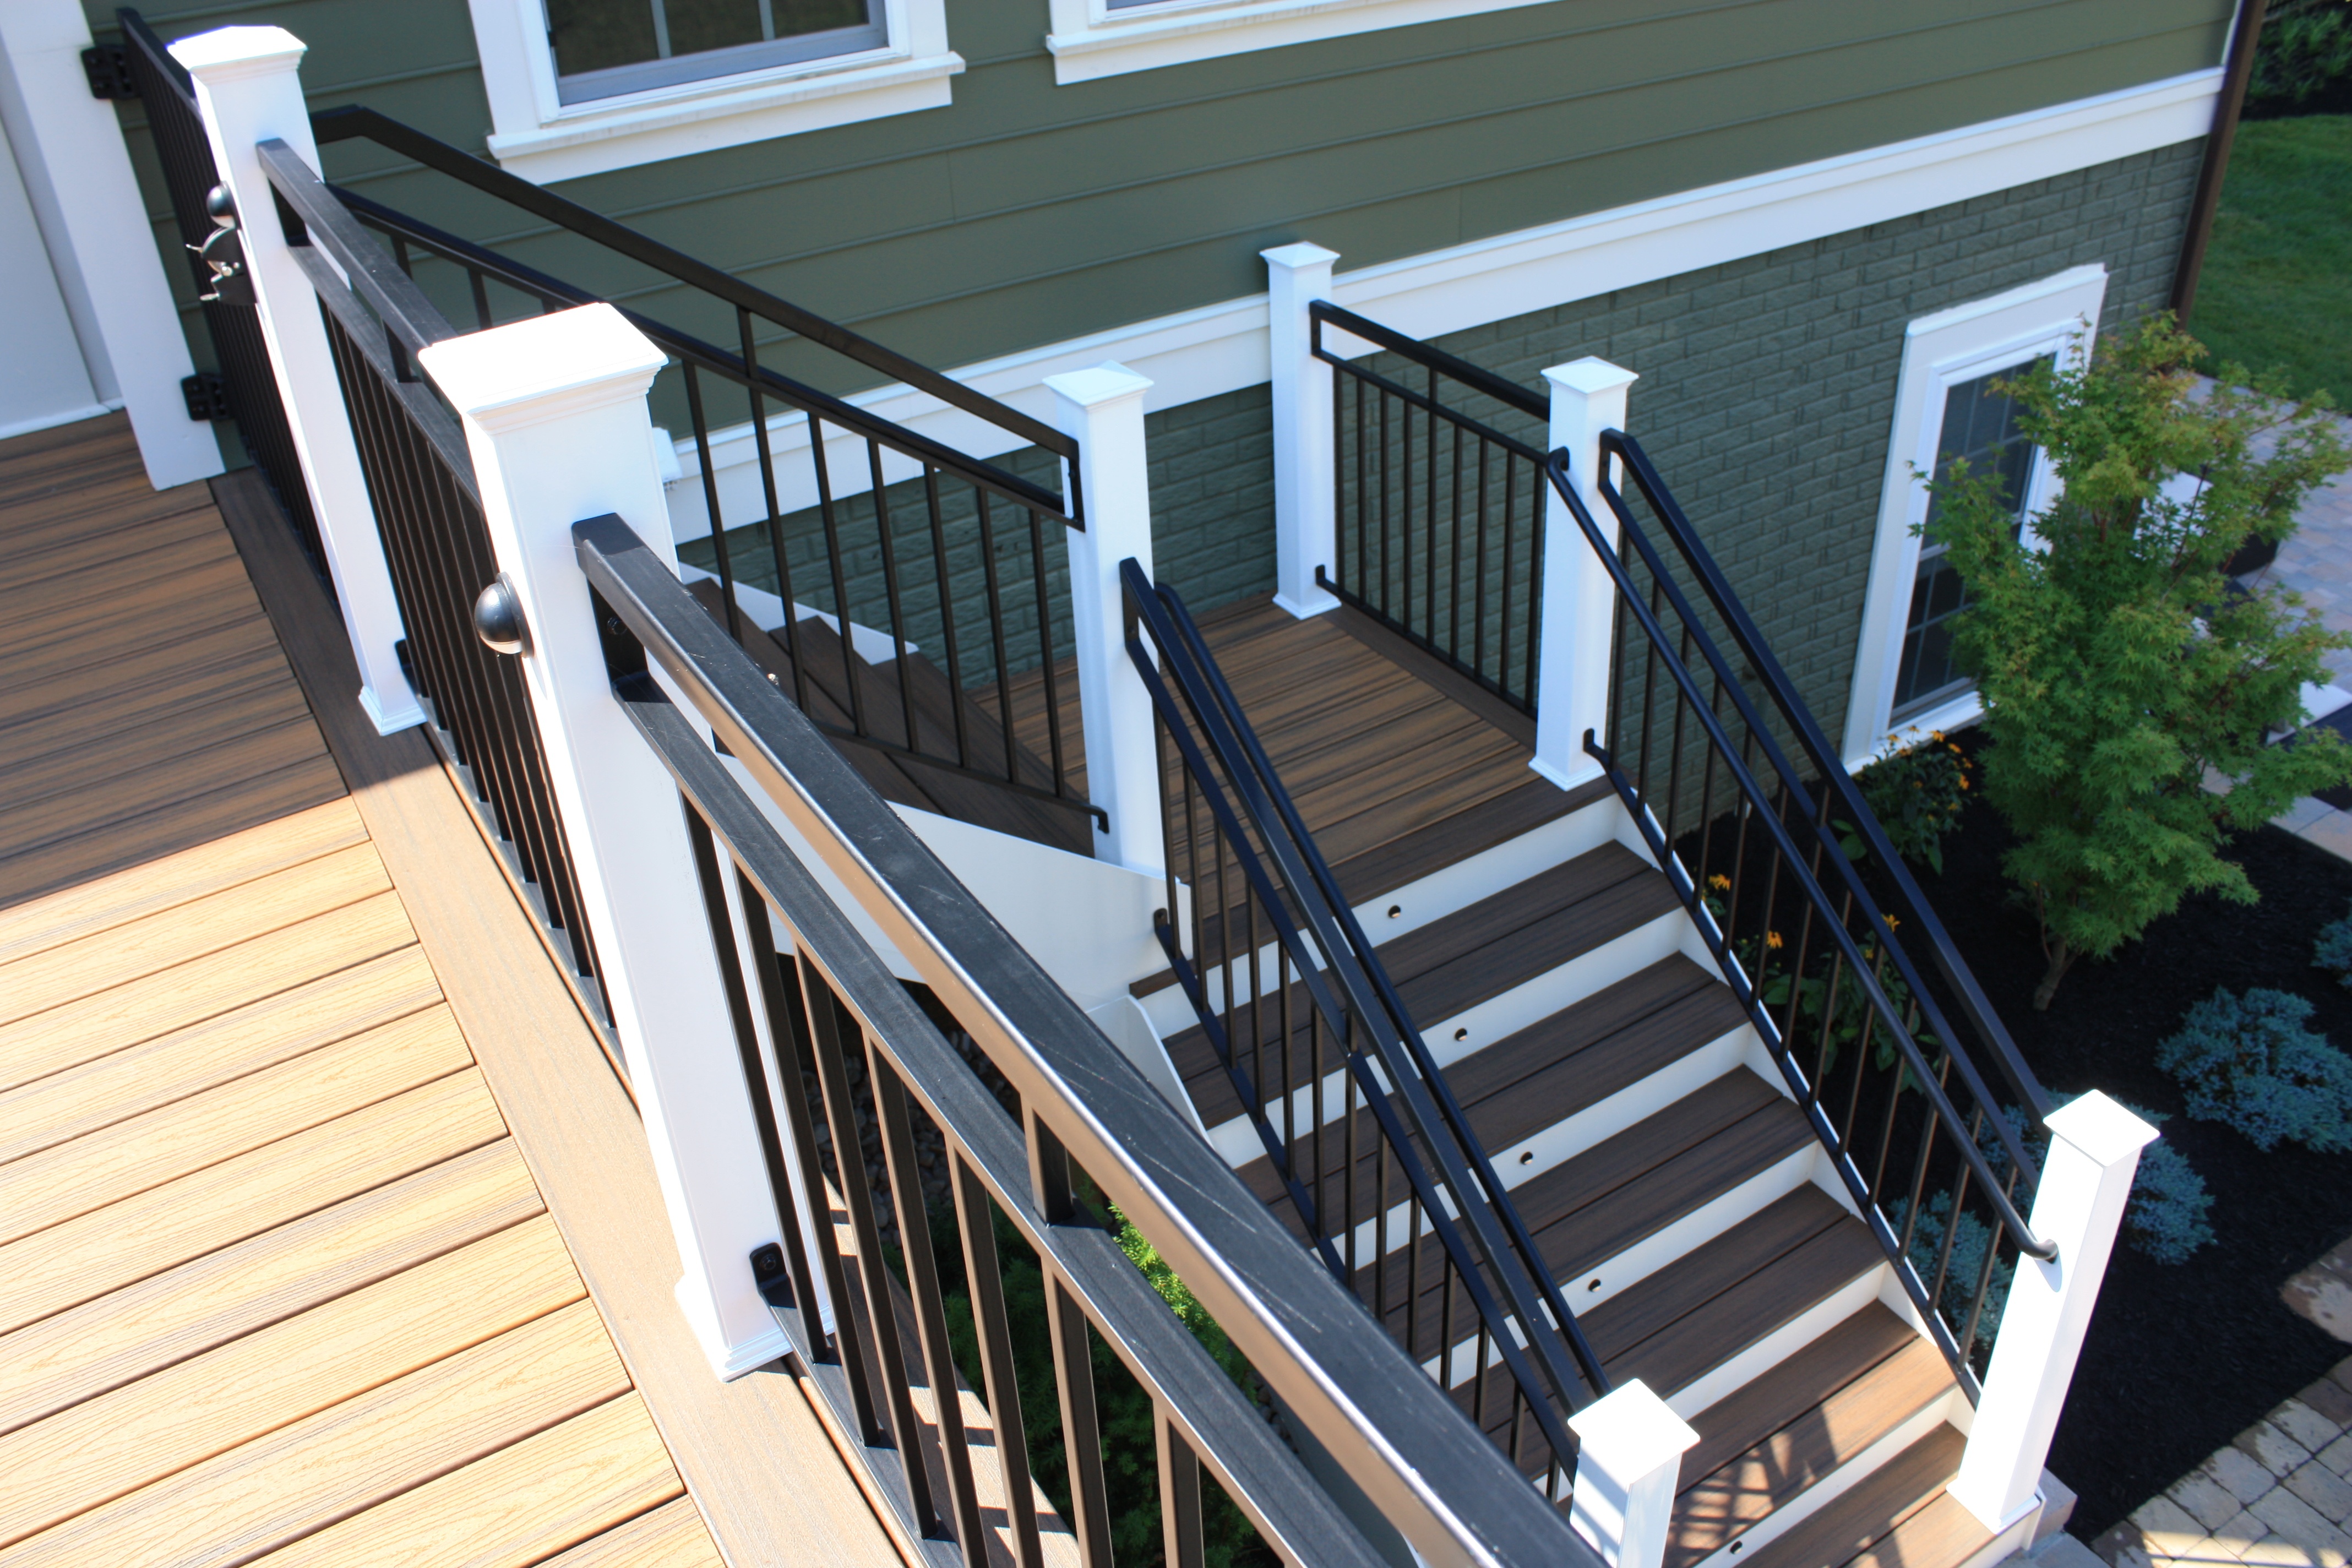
1367 1153
428 511
911 598
1440 510
168 98
1038 1159
1811 917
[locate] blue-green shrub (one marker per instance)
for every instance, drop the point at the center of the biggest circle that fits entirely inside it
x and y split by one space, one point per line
1970 1235
2168 1206
2333 950
2249 1062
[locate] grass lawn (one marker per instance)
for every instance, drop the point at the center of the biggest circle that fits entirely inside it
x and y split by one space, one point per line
2276 290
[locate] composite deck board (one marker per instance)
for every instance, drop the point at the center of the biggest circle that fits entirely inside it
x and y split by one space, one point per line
670 1536
275 1283
1847 1529
1753 1414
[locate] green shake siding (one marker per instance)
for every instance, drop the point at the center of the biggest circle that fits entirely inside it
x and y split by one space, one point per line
1028 213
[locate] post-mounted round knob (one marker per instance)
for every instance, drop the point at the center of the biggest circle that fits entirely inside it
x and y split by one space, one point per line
497 618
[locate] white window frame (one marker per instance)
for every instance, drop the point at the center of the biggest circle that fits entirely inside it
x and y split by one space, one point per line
2055 318
538 136
1093 39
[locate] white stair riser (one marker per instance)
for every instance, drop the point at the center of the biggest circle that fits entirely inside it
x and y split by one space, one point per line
1636 1103
1831 1487
1672 1243
1761 1356
1495 1019
1443 892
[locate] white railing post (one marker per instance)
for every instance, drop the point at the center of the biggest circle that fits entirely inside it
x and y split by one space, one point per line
1103 407
2086 1180
554 413
248 89
1305 517
1580 602
1629 1454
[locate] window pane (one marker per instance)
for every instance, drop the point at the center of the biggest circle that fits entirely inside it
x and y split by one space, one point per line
592 35
794 17
698 24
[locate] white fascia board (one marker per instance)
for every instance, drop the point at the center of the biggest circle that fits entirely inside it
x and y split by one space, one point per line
537 136
1216 349
1091 40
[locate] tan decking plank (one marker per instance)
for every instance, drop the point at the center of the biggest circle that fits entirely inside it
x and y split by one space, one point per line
103 1448
515 1507
142 790
183 1312
280 1488
179 878
185 994
139 948
175 826
68 1264
158 745
671 1536
139 1079
130 1157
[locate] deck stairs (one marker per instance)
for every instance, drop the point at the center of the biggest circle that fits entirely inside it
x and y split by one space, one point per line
1673 1188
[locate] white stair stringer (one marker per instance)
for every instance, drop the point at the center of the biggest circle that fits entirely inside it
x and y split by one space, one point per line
1836 1484
1445 891
1474 1028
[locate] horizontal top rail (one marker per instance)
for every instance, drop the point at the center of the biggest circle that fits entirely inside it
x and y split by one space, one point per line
1387 1426
1915 907
1533 403
358 122
1799 866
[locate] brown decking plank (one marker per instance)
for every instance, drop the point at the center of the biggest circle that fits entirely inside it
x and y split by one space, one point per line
183 1312
102 1251
546 1492
1846 1409
1456 836
670 1536
123 668
37 609
138 948
179 878
171 999
91 1453
175 826
1941 1533
132 710
1848 1525
137 792
143 1151
76 524
157 748
1652 1305
1440 674
220 1049
276 1488
128 626
99 431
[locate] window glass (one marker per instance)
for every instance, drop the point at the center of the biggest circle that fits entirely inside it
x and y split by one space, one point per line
1979 427
604 47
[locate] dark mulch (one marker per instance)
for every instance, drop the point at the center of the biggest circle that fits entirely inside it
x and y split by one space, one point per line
2179 1359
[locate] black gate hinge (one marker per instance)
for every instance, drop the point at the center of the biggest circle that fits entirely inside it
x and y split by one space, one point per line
107 67
207 396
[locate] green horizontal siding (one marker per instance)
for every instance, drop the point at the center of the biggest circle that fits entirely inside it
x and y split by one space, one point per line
1028 213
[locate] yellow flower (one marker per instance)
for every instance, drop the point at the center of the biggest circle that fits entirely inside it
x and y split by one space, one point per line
1719 882
1772 939
1891 922
1935 734
1964 784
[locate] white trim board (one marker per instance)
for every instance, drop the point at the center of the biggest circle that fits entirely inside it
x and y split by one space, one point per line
2054 316
1092 39
1216 349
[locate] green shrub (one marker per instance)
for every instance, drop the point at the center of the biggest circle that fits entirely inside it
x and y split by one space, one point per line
2333 950
2249 1062
2166 1218
1916 792
1971 1237
2305 49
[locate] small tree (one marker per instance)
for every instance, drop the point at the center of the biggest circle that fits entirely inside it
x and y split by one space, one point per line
2119 669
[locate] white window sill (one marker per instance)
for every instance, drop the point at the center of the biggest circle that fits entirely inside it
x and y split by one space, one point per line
1957 713
1089 40
700 117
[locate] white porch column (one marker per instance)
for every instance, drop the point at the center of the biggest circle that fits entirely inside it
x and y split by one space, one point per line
248 89
1630 1451
1103 407
1580 602
2086 1180
1305 523
68 146
554 413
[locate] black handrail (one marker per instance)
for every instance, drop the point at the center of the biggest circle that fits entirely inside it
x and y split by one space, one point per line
1083 1108
358 122
1532 404
1422 1125
1913 904
1753 805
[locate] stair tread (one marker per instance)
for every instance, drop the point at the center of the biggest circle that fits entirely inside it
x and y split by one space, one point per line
1547 1073
1764 1444
1861 1525
1943 1534
1449 964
